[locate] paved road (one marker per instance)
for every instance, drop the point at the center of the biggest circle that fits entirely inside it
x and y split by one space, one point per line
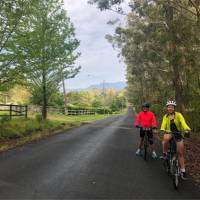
94 161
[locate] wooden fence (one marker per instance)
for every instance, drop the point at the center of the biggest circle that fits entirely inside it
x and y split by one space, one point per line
12 110
81 112
38 109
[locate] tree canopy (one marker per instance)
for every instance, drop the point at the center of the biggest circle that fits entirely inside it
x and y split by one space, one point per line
37 47
160 45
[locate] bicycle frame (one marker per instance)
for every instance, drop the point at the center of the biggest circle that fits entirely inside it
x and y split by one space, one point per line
145 130
172 161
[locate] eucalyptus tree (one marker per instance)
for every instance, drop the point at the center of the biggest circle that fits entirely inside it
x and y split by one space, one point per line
160 46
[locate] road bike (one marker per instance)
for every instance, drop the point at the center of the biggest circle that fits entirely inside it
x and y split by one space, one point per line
145 141
170 163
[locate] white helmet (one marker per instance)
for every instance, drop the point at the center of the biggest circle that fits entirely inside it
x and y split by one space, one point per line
172 103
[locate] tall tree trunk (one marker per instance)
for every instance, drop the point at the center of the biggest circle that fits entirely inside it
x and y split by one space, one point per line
44 88
174 61
178 90
65 97
142 97
198 78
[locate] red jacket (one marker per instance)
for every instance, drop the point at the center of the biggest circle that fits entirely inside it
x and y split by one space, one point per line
146 120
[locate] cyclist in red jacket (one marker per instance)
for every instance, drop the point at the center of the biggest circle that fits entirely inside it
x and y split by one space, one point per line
146 119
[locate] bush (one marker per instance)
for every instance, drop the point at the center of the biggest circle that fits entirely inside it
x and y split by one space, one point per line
158 110
46 125
31 126
99 110
18 128
7 133
5 118
104 111
194 120
39 118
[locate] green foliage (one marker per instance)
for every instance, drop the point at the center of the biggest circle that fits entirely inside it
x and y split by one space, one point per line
4 118
97 103
98 110
20 128
13 14
37 44
194 120
36 96
105 110
161 48
38 118
56 99
106 4
19 94
159 111
74 107
96 100
83 98
9 133
30 127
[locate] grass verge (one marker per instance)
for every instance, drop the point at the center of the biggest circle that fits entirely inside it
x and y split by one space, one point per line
19 131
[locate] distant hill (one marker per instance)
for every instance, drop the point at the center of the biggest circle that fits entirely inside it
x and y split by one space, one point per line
115 85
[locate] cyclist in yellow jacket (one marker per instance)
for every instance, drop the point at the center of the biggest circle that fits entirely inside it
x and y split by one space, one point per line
174 122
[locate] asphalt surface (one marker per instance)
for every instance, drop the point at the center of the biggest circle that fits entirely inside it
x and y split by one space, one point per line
95 161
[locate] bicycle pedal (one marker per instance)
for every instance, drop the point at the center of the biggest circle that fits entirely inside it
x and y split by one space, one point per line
183 178
162 158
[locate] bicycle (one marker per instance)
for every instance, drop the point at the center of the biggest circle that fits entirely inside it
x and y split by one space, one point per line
146 141
171 163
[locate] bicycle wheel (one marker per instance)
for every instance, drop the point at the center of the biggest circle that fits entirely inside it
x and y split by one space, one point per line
166 166
175 176
145 146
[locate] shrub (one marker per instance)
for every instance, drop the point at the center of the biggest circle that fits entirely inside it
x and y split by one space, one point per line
158 110
39 118
98 110
7 133
194 120
5 118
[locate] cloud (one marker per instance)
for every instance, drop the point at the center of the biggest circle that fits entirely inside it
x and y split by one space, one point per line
98 57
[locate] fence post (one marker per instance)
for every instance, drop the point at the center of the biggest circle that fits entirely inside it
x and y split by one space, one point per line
20 109
10 111
26 111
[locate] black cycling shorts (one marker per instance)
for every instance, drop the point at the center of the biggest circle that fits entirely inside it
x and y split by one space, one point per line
149 134
178 137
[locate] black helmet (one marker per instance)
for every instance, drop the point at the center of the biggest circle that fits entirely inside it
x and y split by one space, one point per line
145 105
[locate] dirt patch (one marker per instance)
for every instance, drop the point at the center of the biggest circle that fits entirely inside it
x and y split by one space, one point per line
192 156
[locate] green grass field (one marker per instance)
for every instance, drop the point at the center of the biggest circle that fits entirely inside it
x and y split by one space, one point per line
19 130
79 118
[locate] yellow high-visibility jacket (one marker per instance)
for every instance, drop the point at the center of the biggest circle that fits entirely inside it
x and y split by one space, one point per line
178 120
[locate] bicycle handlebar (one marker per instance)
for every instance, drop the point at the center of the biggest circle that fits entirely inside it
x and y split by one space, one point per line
186 133
144 128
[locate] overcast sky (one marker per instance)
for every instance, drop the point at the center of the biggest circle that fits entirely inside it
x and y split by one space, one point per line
98 59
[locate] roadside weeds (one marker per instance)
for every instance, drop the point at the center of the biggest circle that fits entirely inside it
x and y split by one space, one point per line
53 127
36 136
